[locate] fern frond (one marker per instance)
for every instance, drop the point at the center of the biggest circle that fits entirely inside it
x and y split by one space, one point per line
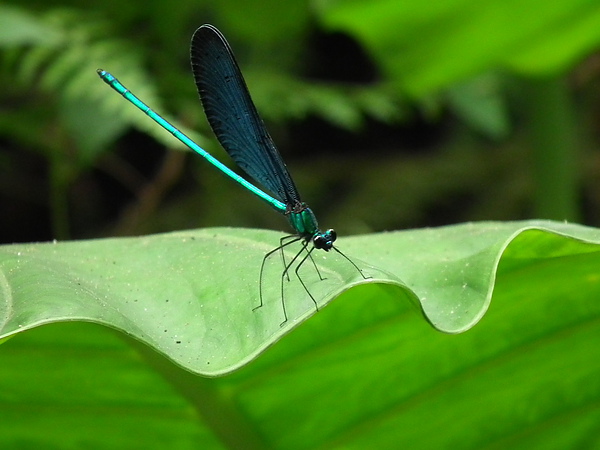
66 68
20 27
280 96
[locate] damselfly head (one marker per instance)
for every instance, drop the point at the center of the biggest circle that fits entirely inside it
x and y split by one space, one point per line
325 240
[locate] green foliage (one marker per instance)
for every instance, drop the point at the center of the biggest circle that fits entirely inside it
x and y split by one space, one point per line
457 40
66 67
425 48
17 27
362 372
453 56
65 63
342 106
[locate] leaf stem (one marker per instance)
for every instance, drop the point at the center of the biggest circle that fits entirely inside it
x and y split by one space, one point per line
555 149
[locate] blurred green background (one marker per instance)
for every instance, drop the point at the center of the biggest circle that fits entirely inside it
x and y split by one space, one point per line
389 114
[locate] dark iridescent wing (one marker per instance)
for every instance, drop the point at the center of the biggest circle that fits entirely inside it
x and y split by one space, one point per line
233 116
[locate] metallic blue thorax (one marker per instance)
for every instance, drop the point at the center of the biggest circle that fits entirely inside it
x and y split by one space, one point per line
303 220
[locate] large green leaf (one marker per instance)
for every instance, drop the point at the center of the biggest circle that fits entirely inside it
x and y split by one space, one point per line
363 372
425 46
190 295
